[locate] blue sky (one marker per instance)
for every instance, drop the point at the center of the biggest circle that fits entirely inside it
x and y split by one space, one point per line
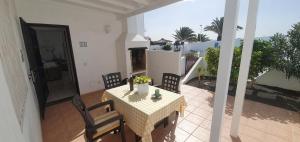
273 16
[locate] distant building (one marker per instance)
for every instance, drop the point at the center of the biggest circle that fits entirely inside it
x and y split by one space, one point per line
162 41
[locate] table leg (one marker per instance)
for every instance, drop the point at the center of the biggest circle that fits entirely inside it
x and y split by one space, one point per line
147 138
137 138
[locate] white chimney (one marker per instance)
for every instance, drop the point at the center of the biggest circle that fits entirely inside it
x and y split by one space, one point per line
135 39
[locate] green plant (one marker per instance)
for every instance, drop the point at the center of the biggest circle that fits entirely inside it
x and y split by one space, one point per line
167 47
261 60
185 34
202 38
287 52
141 79
212 59
201 71
217 27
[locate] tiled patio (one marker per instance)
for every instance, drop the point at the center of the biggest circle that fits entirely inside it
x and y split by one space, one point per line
259 123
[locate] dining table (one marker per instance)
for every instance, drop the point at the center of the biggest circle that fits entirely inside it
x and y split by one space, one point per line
142 111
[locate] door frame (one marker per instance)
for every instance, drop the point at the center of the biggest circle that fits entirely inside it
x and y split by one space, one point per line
66 27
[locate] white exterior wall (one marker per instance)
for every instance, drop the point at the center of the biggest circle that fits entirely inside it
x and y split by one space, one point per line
278 79
100 57
162 62
10 129
202 46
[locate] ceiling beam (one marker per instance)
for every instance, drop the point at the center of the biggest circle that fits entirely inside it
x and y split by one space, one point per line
143 2
152 6
93 5
118 3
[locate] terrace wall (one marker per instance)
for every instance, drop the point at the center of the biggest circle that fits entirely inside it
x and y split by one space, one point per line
160 62
278 79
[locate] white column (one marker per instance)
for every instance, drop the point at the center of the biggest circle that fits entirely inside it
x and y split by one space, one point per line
224 68
244 67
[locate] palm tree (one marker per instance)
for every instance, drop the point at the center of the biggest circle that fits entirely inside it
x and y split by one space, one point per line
217 27
202 37
185 34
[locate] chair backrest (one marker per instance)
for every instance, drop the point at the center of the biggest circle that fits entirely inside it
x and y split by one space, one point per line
80 106
112 80
170 82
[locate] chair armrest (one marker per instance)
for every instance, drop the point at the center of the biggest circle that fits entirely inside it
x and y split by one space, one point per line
124 81
108 121
109 102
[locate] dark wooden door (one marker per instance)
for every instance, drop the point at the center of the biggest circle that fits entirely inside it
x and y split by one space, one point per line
37 74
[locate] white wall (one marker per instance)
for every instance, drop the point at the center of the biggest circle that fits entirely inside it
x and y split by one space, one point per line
100 56
202 46
160 62
278 79
10 129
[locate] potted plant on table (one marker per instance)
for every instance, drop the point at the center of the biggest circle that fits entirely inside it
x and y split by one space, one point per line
142 84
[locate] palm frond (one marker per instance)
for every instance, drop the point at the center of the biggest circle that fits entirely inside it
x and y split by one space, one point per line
184 34
216 26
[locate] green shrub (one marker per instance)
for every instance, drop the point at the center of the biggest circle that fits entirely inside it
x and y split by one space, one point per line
282 52
287 52
167 47
212 59
261 60
201 71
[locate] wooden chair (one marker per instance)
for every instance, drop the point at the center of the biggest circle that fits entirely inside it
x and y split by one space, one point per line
113 80
99 126
170 82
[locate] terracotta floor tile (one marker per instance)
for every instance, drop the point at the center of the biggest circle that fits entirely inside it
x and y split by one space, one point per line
193 139
190 108
202 134
272 138
251 132
246 138
206 124
201 112
187 126
296 137
259 122
281 132
181 135
193 118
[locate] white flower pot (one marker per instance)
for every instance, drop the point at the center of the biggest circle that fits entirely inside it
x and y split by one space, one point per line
142 88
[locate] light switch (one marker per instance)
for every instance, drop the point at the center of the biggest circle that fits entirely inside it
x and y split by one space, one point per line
83 44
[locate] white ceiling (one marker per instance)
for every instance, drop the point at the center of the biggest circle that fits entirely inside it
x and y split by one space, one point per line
121 7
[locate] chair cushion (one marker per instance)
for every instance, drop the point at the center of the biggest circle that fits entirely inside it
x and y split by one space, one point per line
109 126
